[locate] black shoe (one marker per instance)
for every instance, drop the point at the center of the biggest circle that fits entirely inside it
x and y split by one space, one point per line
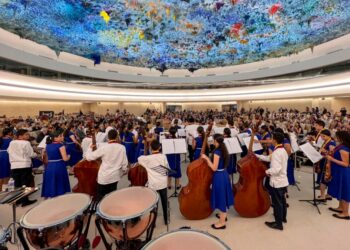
178 187
317 187
329 198
222 227
335 210
274 225
287 205
169 187
28 202
218 216
341 217
284 221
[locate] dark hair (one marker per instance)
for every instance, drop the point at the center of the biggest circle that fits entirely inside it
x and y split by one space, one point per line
157 124
227 132
21 132
191 119
278 137
200 131
53 135
112 134
172 132
220 139
265 128
7 131
344 137
325 132
321 123
155 145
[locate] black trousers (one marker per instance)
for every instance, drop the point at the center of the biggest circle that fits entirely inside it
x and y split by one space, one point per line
279 204
190 152
103 190
163 193
22 177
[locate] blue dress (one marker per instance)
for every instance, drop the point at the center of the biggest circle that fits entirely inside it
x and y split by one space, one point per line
130 146
140 148
5 166
290 166
199 145
339 187
221 191
55 180
231 168
157 131
322 165
174 161
75 154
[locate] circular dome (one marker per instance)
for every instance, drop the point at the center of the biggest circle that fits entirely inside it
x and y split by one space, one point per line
188 34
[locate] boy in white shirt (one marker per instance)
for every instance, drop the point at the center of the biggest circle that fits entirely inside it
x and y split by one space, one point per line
157 168
278 180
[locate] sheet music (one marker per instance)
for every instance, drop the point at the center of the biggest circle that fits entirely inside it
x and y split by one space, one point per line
241 136
210 140
180 146
161 136
311 152
319 142
174 146
181 132
232 145
219 130
234 132
42 144
256 145
293 142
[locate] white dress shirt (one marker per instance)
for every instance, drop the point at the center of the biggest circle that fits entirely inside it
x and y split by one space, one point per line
20 154
191 129
155 165
278 167
114 160
85 144
100 137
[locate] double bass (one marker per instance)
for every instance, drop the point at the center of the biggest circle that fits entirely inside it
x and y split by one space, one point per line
137 174
251 197
86 173
194 198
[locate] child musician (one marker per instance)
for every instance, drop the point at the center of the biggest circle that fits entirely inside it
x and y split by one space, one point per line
231 168
278 180
339 187
221 193
197 143
174 161
157 168
327 147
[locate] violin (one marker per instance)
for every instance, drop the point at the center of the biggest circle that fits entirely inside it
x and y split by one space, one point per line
194 198
86 172
251 197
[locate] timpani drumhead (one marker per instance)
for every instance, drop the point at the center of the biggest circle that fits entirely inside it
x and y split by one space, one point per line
55 211
127 203
186 239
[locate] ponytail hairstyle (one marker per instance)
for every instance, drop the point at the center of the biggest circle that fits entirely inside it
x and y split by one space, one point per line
220 140
200 130
50 139
172 132
129 128
343 137
227 132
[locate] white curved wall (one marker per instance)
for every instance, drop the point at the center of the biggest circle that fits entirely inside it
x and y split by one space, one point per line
15 85
28 52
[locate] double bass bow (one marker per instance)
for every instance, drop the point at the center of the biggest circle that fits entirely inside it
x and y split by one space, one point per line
251 197
86 172
194 198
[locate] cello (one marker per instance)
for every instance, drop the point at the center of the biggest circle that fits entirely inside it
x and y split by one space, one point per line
194 198
86 173
251 197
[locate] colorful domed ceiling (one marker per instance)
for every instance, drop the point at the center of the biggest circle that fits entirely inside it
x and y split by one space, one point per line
187 34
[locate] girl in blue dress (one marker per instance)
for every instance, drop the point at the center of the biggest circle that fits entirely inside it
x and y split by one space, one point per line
55 180
73 147
141 140
339 187
5 166
174 161
197 143
221 191
231 168
130 142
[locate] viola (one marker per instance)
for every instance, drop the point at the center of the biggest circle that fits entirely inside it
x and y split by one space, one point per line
251 197
194 198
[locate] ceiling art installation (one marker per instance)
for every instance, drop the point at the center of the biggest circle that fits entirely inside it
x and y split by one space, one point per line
187 34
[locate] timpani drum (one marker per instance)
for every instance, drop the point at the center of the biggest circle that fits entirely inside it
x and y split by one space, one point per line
127 213
186 239
56 222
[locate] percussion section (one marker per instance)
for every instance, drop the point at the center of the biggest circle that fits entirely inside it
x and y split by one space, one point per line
186 239
126 214
55 222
